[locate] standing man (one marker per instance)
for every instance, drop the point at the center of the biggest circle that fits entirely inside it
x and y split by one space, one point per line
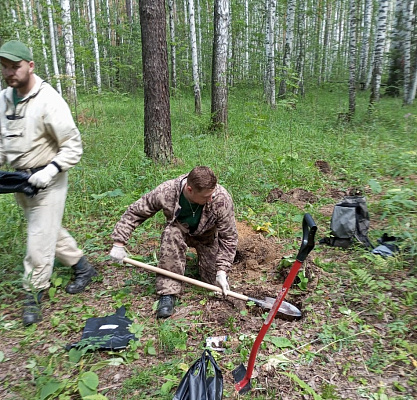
199 214
38 135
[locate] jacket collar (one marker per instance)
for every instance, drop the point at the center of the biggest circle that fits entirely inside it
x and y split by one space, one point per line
33 92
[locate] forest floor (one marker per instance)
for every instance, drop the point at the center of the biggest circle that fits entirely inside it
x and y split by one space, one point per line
332 363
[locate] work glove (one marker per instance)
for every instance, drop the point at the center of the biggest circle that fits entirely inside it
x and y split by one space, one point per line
221 281
118 253
43 178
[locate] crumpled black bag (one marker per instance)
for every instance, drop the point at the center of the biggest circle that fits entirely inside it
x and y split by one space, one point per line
203 381
387 246
12 182
106 333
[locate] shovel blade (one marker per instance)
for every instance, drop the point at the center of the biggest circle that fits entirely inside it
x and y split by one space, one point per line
286 310
239 375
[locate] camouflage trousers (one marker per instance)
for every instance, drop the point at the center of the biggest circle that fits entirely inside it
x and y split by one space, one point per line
175 241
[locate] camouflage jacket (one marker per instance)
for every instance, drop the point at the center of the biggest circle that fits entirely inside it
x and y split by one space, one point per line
217 216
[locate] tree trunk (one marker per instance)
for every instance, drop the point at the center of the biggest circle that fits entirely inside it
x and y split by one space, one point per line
289 39
270 54
195 67
157 127
363 66
381 33
42 32
53 47
93 28
408 19
69 51
171 7
396 52
352 60
219 66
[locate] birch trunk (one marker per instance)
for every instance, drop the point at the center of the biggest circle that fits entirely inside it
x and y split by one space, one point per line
172 12
93 28
53 46
381 34
42 32
289 38
219 67
396 52
271 54
408 18
69 51
366 35
194 57
352 60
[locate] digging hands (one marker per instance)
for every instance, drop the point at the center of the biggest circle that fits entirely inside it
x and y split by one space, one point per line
43 178
118 253
222 282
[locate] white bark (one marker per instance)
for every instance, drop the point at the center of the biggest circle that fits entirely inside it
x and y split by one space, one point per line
289 39
42 31
381 34
352 59
172 9
271 93
93 28
53 46
69 50
408 18
366 34
193 42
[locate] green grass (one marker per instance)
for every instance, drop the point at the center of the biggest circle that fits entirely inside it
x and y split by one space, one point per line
263 149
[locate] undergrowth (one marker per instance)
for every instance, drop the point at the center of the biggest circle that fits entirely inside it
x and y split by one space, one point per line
366 301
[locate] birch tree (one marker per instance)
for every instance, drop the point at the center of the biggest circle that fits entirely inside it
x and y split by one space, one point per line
352 59
381 33
53 46
270 91
93 27
172 11
43 40
408 18
289 38
69 50
194 56
219 95
157 126
366 35
396 52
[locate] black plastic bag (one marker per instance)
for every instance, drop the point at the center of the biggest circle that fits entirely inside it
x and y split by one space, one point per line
106 333
203 381
12 182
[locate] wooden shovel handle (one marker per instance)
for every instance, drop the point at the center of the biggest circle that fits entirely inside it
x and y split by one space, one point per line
183 278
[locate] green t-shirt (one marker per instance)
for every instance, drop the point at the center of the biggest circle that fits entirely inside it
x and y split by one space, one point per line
16 97
190 213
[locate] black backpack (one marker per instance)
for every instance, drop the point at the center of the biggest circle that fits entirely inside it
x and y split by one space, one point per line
350 222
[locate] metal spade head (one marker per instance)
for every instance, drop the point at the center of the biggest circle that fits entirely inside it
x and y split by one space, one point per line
286 310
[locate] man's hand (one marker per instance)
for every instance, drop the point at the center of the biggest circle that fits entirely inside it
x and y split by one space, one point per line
118 253
221 281
43 178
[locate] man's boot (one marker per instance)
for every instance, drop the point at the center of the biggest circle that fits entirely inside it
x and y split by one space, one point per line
165 306
32 313
84 273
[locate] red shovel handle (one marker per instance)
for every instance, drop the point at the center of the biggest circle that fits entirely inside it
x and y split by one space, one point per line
309 232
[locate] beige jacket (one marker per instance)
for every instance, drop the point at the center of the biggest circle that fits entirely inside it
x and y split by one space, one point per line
39 130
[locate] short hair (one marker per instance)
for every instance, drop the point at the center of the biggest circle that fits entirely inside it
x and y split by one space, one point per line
201 178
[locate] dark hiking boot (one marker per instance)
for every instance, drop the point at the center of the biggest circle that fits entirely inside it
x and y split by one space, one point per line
32 313
84 273
165 306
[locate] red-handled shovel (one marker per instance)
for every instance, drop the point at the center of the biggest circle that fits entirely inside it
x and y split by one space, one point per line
242 375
